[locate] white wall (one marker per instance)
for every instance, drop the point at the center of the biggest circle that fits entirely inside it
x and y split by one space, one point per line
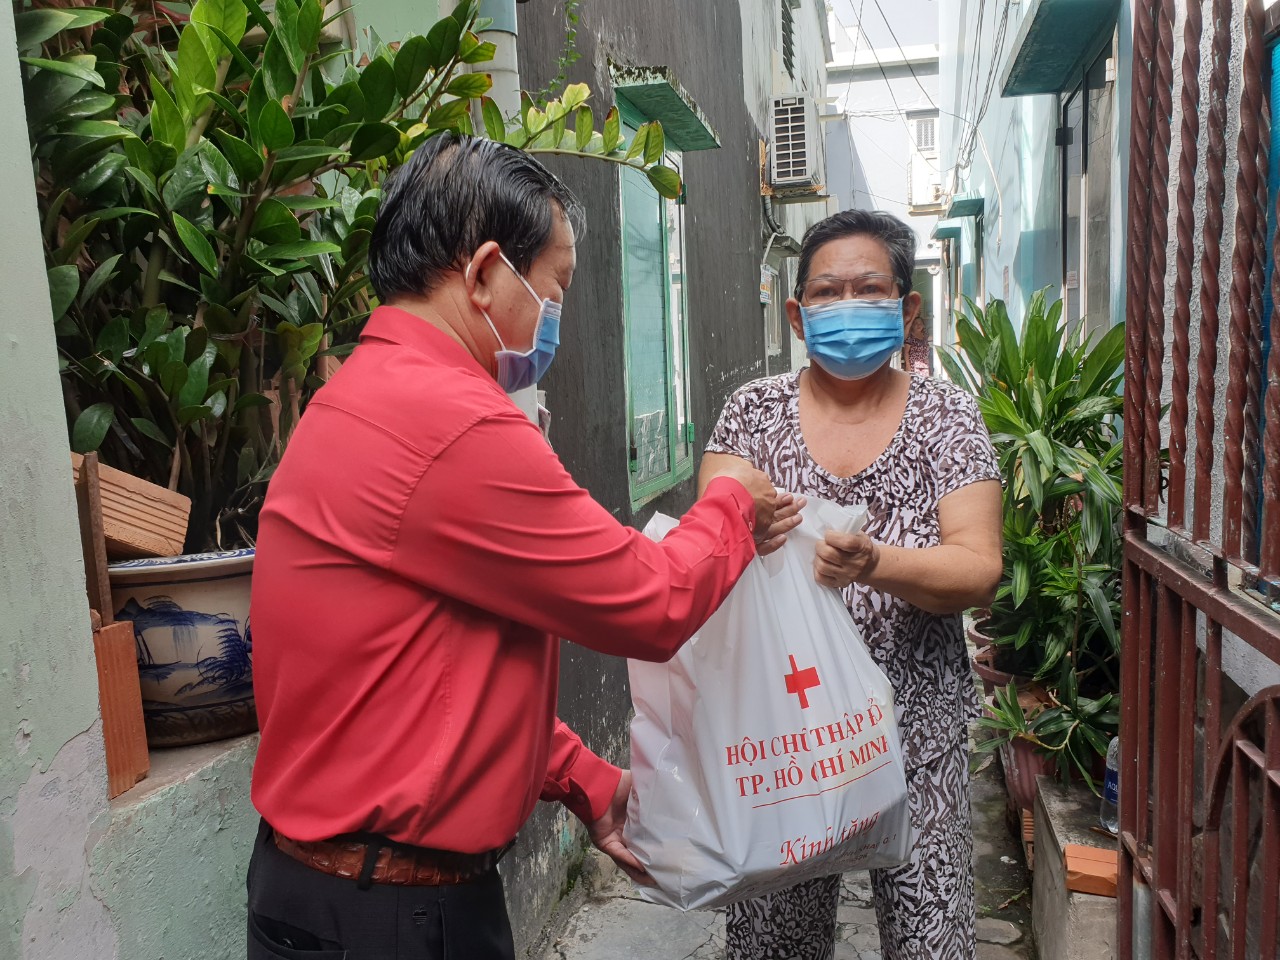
1015 164
876 108
876 105
765 77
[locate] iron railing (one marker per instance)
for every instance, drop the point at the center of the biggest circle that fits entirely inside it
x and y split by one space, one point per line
1200 725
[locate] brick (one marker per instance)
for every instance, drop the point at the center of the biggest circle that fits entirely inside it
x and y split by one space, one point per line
1090 869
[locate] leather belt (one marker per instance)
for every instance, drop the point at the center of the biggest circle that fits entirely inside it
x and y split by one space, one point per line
394 863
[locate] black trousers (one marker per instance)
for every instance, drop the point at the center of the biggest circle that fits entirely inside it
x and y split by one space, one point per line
298 913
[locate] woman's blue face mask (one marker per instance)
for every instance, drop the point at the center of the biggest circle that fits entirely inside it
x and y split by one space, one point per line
852 339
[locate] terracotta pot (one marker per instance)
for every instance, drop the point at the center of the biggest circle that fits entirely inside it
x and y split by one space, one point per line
190 618
1022 764
1021 761
974 630
984 659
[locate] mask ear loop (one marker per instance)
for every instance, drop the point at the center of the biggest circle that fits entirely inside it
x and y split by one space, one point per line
520 276
485 313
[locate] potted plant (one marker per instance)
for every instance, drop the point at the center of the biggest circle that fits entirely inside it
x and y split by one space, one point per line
207 185
1051 401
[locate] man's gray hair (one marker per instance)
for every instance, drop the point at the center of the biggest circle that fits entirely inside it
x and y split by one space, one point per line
899 242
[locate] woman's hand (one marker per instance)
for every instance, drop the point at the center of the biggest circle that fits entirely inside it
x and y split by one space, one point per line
960 572
845 558
786 517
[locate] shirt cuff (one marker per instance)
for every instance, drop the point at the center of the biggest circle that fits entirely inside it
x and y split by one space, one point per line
733 489
592 784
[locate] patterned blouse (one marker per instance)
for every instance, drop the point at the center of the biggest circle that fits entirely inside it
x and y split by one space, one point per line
919 357
941 445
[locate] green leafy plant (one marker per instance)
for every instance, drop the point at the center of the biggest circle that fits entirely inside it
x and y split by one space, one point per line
1071 729
208 185
1052 403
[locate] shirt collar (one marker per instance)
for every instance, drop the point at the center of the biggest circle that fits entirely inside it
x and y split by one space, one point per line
393 325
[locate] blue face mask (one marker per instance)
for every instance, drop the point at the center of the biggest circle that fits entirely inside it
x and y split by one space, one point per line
852 339
519 370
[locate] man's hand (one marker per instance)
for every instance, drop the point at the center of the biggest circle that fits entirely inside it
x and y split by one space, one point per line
606 834
757 484
785 519
845 558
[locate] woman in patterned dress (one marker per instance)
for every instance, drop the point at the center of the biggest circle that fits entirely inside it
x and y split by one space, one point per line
917 355
852 429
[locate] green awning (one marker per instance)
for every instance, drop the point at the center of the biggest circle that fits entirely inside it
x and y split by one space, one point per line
1055 45
947 230
655 94
965 205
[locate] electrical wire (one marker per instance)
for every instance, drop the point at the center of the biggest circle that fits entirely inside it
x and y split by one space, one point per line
848 90
903 53
880 66
978 92
964 155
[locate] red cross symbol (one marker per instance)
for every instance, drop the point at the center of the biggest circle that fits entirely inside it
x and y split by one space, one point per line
799 681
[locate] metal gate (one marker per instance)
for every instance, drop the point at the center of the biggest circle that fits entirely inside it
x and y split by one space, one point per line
1200 727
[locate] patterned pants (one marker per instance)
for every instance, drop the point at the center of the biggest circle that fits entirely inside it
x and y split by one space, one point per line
924 908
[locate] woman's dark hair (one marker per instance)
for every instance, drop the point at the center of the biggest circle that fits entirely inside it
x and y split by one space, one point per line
899 242
455 193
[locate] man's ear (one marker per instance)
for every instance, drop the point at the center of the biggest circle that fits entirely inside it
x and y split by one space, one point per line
478 274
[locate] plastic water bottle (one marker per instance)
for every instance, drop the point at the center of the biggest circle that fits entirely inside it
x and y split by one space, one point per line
1109 813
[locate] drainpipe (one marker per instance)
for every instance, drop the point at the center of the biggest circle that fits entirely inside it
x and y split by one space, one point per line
505 70
505 67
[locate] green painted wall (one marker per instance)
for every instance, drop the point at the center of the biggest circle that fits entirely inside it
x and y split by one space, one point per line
159 872
52 776
393 20
171 866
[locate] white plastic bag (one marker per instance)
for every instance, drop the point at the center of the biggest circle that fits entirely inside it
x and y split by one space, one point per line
766 751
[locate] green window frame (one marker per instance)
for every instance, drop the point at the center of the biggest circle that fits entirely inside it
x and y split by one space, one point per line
660 429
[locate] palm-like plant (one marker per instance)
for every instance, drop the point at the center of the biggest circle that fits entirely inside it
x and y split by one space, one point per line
208 185
1051 400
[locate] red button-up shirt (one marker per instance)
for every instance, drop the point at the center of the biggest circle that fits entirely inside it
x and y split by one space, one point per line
420 550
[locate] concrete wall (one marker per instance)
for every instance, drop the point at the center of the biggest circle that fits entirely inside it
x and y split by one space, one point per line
158 873
170 865
1068 925
52 772
1016 166
764 77
393 20
876 104
1246 666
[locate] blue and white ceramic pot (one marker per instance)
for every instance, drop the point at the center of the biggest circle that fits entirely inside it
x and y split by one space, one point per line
190 618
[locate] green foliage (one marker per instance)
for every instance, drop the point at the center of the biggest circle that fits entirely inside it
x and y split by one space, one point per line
1073 730
208 186
1052 403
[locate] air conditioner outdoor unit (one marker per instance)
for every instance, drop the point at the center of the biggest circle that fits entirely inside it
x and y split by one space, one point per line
795 161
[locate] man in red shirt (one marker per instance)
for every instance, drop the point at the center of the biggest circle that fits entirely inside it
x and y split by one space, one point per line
420 552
